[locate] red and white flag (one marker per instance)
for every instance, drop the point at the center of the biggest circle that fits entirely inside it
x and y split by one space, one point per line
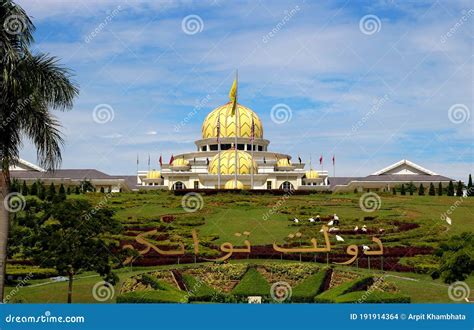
321 160
161 160
171 159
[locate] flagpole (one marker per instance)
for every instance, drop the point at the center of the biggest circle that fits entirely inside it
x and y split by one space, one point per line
236 126
218 153
251 168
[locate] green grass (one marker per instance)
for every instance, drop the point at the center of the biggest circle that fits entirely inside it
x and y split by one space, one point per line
252 284
307 289
372 297
332 294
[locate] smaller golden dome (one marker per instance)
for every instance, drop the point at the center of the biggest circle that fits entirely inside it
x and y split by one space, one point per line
153 175
231 185
283 162
312 174
180 162
227 163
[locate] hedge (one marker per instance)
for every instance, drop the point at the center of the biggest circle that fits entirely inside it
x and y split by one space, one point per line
373 297
198 290
309 287
330 295
157 284
153 296
21 271
252 284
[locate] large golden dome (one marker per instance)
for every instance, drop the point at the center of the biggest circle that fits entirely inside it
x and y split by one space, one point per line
227 121
245 163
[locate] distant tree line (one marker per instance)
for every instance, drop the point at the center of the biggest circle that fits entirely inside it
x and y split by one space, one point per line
450 190
52 192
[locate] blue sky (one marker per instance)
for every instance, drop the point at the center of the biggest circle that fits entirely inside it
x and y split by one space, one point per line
372 82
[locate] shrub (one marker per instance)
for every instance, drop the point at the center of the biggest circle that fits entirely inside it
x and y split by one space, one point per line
309 287
198 290
330 295
152 296
367 297
252 284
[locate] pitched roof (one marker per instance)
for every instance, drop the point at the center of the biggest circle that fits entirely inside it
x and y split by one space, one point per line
404 162
78 174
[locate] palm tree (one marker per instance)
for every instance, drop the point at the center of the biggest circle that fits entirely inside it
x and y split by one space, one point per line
31 85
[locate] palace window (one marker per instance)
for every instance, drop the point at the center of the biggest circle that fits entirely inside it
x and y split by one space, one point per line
260 148
213 147
225 146
196 184
204 148
240 146
179 186
269 185
286 186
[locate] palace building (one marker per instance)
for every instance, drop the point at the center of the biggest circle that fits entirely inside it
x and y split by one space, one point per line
232 153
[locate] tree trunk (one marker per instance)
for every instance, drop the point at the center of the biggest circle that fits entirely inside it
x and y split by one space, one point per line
4 225
69 289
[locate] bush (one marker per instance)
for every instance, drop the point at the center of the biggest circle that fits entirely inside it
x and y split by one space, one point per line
309 287
330 295
252 284
19 271
373 297
198 290
152 296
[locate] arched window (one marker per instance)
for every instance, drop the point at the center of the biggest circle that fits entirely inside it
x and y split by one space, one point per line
287 186
179 186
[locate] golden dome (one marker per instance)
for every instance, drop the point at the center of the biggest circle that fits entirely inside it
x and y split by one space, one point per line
180 162
312 174
231 185
227 122
283 162
153 175
245 162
